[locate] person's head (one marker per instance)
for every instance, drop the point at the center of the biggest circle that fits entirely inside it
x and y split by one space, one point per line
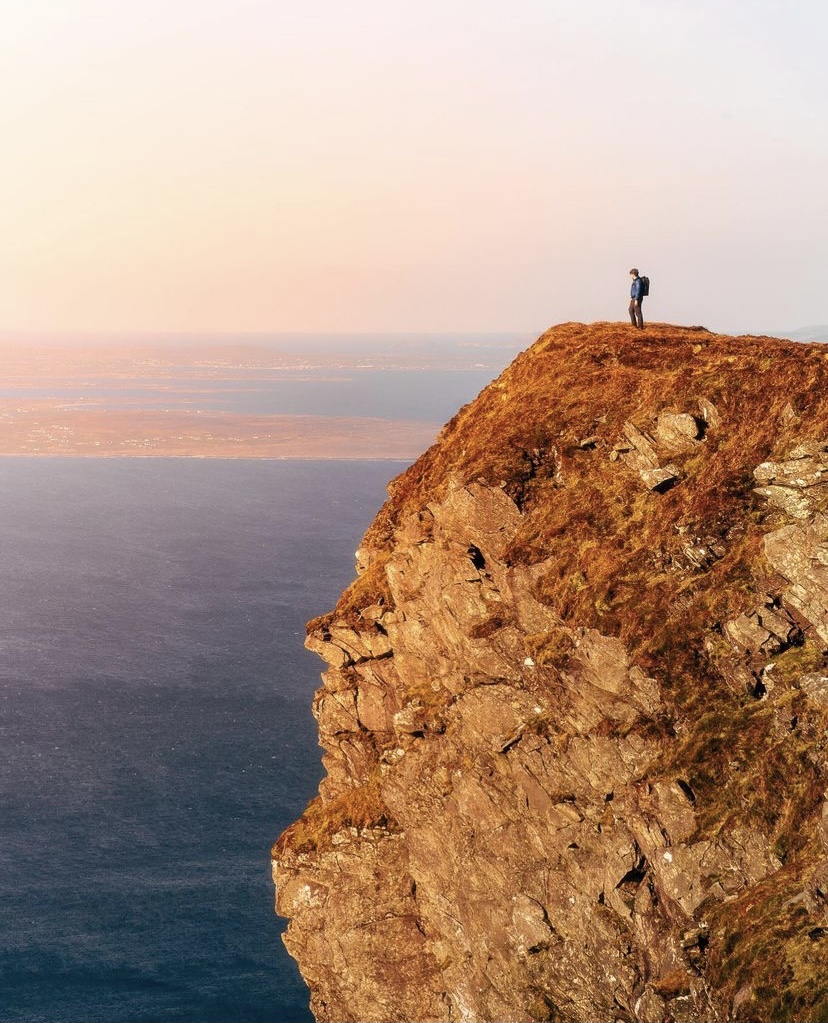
633 272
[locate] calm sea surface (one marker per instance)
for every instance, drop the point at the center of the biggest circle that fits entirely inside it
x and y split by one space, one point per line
155 726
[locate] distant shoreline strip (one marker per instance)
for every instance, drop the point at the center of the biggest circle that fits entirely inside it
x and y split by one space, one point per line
48 430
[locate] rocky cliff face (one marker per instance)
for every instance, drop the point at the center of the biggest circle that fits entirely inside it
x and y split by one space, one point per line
574 717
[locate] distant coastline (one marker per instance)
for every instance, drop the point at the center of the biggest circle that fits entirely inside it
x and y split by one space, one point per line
208 458
347 398
47 428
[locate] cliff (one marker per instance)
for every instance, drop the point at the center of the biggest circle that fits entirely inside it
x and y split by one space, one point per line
574 718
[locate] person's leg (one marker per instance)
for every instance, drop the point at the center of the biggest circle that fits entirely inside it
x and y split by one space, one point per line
633 312
639 316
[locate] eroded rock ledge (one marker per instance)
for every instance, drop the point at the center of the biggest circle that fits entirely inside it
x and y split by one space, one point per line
574 715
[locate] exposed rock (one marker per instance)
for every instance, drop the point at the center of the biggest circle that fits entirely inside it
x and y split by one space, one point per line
797 484
659 478
766 629
637 449
552 789
703 551
673 433
799 553
709 414
815 686
676 432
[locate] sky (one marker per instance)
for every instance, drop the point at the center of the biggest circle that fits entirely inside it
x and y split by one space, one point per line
379 165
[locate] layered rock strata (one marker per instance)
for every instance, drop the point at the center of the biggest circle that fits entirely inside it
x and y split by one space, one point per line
574 718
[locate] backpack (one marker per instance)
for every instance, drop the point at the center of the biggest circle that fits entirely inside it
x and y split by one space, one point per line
645 286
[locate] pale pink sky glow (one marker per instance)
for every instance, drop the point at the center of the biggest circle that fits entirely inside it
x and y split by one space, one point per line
448 165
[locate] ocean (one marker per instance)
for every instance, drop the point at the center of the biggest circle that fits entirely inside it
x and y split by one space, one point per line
155 695
155 726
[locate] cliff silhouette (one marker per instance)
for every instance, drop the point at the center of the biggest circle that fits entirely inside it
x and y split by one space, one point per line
574 716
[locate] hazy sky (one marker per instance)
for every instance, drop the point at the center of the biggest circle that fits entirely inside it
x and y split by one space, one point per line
387 165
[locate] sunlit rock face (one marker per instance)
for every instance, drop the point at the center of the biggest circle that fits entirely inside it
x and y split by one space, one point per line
574 716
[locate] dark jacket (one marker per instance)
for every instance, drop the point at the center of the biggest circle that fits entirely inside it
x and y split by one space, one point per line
636 289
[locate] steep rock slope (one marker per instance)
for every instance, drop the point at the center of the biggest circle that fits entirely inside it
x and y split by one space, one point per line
574 718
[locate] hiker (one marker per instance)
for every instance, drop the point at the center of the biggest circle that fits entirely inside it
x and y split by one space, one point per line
637 293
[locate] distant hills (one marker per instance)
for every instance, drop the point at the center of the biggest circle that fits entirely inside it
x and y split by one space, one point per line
817 333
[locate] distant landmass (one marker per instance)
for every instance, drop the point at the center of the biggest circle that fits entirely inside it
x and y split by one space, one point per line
816 333
279 396
50 428
52 355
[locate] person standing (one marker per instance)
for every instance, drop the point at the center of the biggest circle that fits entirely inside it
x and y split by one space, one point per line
636 297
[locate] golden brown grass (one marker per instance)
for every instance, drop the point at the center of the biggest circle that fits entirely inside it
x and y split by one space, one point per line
361 807
369 588
767 939
582 381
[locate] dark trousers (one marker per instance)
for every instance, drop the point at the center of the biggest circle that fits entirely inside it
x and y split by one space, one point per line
636 318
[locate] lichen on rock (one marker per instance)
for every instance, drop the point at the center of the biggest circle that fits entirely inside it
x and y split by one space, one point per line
575 711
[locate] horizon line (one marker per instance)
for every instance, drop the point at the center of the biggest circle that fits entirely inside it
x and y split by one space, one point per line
195 332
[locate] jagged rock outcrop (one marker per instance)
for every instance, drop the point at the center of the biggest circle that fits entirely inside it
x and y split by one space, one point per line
575 713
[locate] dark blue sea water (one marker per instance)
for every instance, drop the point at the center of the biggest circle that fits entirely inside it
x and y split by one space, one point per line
155 727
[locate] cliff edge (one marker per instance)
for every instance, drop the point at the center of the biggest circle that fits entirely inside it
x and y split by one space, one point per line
574 716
